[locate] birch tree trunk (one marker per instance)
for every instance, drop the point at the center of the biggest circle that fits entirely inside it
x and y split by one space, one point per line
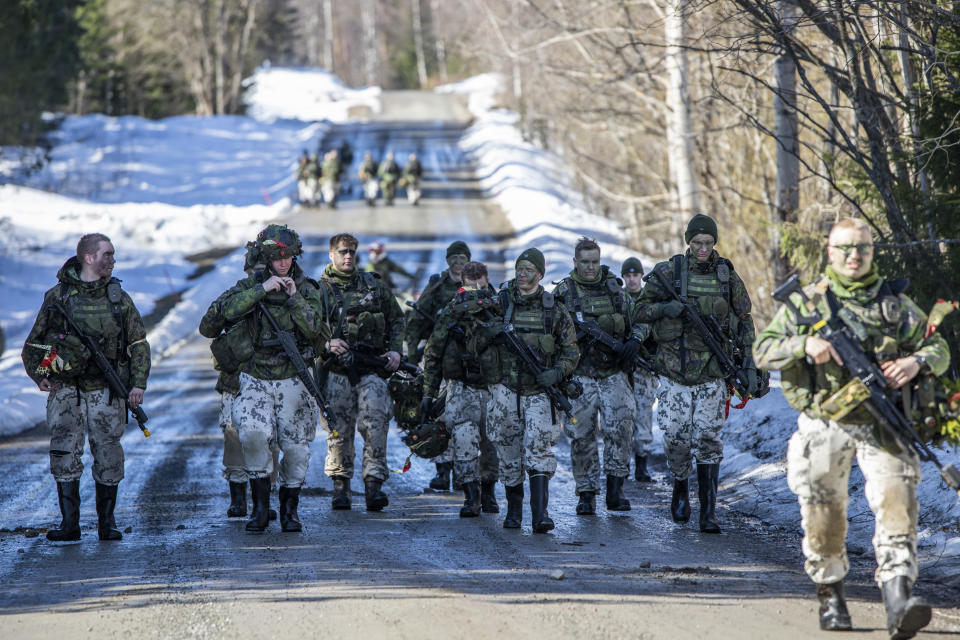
680 132
438 40
418 43
371 50
328 35
788 147
219 43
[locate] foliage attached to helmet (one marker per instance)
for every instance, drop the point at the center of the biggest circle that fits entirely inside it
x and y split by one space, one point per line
278 241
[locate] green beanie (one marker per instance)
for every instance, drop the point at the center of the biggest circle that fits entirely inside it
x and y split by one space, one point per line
534 257
458 247
701 223
631 265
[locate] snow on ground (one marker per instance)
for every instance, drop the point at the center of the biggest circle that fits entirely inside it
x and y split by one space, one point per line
306 94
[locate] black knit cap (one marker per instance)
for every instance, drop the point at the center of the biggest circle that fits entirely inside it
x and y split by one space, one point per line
534 257
631 265
701 223
458 247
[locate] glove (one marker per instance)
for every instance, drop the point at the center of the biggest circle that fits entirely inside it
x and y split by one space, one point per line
671 309
628 354
549 377
750 380
426 407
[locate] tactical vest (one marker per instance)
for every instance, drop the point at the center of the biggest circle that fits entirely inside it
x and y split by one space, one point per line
469 355
534 325
98 316
605 304
360 318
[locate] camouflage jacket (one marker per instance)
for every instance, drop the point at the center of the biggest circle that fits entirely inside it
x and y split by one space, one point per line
366 312
211 325
389 171
605 302
306 314
894 327
115 326
438 293
386 266
461 345
307 170
331 169
544 325
682 355
368 170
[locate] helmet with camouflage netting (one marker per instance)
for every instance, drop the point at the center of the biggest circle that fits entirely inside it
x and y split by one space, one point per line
278 241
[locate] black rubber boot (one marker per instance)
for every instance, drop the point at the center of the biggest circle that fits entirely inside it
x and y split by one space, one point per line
471 500
260 496
488 497
587 505
289 501
680 502
376 499
106 502
238 500
539 497
640 469
441 481
341 494
833 607
616 501
906 614
514 506
68 494
707 479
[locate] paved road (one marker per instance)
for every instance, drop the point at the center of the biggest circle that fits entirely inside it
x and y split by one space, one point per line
415 570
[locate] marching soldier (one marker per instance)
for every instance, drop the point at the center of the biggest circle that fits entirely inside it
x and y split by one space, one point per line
822 450
439 291
384 265
389 174
525 426
273 404
461 351
592 294
368 179
367 315
81 404
693 391
644 383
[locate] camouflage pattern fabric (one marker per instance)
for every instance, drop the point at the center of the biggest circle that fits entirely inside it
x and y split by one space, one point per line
386 266
644 393
433 299
211 324
275 411
446 456
94 417
465 416
818 471
364 407
525 439
691 419
611 399
233 469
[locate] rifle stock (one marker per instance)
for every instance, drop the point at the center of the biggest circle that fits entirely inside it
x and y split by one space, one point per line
589 332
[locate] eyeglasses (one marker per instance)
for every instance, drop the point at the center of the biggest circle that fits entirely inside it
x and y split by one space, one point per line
347 252
846 249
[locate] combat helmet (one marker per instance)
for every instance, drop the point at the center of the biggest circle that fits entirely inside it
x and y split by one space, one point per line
278 241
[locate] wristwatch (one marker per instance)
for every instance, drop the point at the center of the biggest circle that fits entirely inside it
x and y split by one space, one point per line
920 360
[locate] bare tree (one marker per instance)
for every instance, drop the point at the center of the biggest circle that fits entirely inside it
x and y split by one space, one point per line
438 40
328 62
371 43
418 43
788 150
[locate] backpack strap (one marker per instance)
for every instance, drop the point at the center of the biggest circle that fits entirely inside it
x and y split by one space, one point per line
547 300
680 276
574 298
115 297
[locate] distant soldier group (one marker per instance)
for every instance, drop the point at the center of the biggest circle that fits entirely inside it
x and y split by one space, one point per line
504 371
318 183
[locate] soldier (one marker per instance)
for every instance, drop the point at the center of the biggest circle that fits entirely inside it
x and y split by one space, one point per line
461 351
213 325
382 264
331 178
439 291
822 450
412 173
389 174
368 178
525 427
80 402
693 392
368 315
273 403
308 175
644 383
592 294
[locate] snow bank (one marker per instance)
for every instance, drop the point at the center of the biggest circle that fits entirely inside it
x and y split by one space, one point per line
306 94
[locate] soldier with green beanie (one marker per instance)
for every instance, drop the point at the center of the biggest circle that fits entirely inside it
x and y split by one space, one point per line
80 404
892 330
592 294
273 405
439 291
691 400
367 314
644 383
524 422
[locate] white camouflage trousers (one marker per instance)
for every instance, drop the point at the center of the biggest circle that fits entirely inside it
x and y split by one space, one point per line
691 419
233 470
525 439
364 408
611 400
92 416
307 190
818 470
275 413
474 456
644 393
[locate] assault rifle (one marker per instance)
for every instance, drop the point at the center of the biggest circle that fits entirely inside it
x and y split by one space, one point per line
288 342
534 364
873 386
117 387
426 316
365 356
589 332
712 334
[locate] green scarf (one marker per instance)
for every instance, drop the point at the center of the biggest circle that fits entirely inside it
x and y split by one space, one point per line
576 277
341 278
854 286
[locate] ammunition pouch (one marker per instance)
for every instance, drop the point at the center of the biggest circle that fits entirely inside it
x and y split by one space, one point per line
667 329
233 348
843 401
